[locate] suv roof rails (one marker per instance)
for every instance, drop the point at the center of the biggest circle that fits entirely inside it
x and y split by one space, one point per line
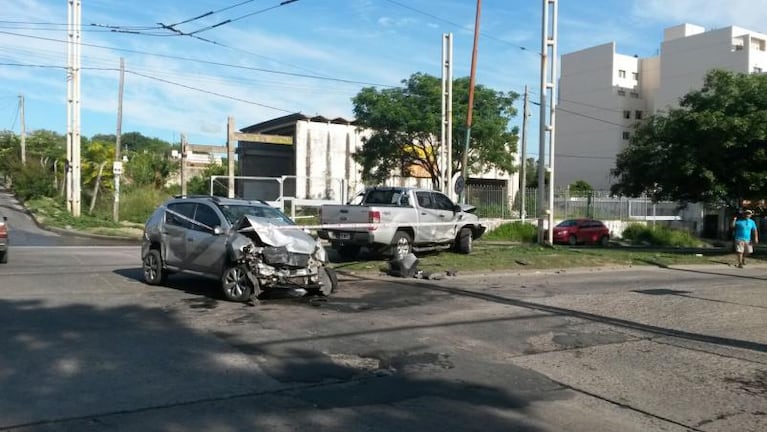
213 197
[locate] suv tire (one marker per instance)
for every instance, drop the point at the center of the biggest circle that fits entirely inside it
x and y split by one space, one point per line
464 243
153 269
235 284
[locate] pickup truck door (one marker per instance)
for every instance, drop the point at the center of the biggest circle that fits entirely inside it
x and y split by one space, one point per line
447 215
431 219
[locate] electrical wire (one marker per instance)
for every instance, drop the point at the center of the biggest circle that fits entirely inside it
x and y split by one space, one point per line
208 62
229 21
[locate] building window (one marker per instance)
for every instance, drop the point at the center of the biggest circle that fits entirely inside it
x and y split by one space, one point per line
621 73
757 44
626 135
638 115
635 95
627 114
635 75
621 92
757 69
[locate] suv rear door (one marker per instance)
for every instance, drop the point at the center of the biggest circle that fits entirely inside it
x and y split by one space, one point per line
178 220
205 251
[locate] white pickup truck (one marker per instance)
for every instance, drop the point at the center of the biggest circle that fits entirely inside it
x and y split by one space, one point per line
399 220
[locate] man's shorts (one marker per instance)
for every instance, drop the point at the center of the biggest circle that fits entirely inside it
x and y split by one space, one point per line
742 246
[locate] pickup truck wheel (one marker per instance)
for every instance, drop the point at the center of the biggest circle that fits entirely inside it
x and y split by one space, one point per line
348 251
402 244
235 284
465 241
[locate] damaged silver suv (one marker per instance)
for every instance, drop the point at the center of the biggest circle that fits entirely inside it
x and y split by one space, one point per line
249 246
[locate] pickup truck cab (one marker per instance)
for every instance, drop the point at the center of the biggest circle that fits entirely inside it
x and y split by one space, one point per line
397 221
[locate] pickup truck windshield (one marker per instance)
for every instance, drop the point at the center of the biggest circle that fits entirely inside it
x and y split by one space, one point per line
235 212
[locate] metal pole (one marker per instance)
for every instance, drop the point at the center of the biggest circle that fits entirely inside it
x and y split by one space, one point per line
541 192
471 100
449 115
523 167
230 154
117 169
182 172
552 43
23 131
548 84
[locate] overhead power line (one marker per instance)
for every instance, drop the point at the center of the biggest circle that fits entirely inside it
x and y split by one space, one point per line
402 5
208 62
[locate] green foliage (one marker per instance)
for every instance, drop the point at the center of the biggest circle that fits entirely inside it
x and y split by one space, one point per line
514 231
200 185
711 149
32 180
406 123
149 169
581 188
138 203
660 236
51 211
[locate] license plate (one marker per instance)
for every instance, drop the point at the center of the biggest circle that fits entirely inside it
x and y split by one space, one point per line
345 236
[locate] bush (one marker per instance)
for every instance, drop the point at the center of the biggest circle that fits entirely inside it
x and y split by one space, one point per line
33 181
514 231
660 236
53 212
138 203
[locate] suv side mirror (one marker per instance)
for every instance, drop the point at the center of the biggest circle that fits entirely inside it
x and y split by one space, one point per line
218 230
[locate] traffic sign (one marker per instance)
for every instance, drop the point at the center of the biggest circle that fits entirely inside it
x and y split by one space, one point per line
117 167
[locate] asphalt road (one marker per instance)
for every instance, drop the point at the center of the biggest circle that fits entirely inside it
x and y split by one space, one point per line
85 345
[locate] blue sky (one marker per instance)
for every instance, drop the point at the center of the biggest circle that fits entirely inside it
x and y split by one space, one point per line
266 61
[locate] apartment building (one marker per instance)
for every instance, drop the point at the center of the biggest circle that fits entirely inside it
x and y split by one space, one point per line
603 94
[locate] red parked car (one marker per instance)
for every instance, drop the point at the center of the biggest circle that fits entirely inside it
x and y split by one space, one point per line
584 230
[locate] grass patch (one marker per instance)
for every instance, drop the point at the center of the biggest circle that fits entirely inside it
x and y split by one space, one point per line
493 257
660 236
53 212
514 231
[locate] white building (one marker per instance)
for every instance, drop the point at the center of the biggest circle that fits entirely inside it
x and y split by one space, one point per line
602 94
319 163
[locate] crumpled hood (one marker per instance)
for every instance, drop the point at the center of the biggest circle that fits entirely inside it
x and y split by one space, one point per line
292 237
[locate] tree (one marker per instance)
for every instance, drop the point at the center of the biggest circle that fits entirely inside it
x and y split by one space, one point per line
713 148
406 121
581 188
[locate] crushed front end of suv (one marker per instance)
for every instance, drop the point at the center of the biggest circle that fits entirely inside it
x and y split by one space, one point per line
251 247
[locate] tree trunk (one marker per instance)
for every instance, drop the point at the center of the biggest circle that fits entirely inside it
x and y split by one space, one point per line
96 188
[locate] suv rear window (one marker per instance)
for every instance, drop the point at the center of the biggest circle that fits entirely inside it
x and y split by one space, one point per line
233 212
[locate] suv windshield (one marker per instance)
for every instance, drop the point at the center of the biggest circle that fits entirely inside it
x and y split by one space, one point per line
235 212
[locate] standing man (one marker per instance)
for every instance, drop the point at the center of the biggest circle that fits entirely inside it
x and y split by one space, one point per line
744 230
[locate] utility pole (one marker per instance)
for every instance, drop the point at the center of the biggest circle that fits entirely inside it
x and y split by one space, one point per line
446 135
23 131
547 117
74 16
472 79
182 171
230 139
523 159
117 165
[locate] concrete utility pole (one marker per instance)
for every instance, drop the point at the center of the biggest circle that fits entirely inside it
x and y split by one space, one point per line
472 79
182 170
523 160
548 91
230 140
117 165
446 154
74 14
23 131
